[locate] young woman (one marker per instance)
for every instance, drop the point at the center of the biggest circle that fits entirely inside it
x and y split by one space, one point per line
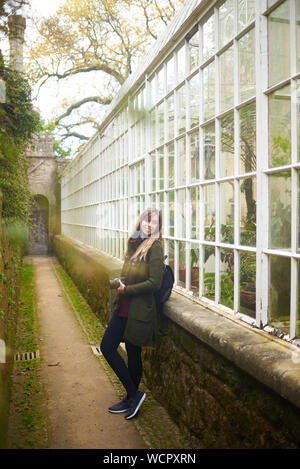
134 313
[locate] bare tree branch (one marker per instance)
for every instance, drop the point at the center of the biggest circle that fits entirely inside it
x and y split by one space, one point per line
95 99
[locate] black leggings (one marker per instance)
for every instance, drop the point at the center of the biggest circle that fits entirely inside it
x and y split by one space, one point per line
129 376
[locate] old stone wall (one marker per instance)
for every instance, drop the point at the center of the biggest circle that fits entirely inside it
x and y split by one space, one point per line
224 383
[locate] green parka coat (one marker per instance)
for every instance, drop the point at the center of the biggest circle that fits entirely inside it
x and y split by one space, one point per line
141 324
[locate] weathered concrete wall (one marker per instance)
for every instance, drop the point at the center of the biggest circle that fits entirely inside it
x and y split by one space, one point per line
10 260
225 384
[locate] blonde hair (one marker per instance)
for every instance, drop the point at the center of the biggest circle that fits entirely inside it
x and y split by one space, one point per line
143 249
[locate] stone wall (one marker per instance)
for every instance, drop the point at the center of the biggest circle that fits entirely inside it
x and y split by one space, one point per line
226 384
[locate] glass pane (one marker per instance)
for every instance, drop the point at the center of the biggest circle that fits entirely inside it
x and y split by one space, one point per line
194 100
208 37
280 127
160 83
170 259
153 172
160 115
195 157
181 64
171 174
226 22
209 91
171 212
279 293
195 206
182 264
181 109
248 138
209 272
298 318
271 2
152 90
227 212
280 210
226 277
248 283
181 180
226 80
194 50
170 117
246 13
247 65
170 74
195 265
298 33
209 212
181 214
152 128
248 212
298 172
209 151
227 146
161 167
279 43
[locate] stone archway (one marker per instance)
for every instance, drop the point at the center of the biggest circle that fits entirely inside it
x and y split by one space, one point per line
39 236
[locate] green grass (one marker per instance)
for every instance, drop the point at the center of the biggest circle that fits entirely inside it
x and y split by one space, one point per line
28 428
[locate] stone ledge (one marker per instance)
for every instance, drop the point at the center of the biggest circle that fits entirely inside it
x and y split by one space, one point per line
270 360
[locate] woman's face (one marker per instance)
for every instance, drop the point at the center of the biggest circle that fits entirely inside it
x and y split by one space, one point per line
150 224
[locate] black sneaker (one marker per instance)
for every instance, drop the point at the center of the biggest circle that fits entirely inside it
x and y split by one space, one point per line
135 403
120 407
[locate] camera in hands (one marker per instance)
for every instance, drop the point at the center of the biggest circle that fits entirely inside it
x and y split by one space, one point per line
115 283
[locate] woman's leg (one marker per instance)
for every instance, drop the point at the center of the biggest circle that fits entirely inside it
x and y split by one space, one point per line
109 345
135 367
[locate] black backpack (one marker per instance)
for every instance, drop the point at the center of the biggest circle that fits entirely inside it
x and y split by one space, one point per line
165 290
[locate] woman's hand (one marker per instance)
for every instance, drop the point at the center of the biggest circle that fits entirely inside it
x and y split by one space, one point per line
122 287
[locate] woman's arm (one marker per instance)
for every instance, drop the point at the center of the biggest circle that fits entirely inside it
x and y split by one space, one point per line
156 268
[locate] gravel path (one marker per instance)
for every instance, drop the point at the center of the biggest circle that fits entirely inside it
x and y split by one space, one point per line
79 390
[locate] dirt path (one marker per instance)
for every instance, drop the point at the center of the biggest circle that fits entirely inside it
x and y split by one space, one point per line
79 389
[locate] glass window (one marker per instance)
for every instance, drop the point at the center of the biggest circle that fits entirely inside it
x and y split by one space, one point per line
248 211
161 167
298 33
208 31
227 146
181 109
209 91
170 74
280 127
170 156
160 116
247 65
195 266
181 214
246 9
194 156
153 128
226 80
280 210
248 283
182 264
209 151
170 117
279 43
209 272
248 138
298 172
152 90
194 51
181 63
181 151
160 83
153 171
279 292
209 212
227 212
194 100
171 215
226 22
227 277
195 205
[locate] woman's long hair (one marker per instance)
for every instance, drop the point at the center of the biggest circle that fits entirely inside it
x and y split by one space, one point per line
138 243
